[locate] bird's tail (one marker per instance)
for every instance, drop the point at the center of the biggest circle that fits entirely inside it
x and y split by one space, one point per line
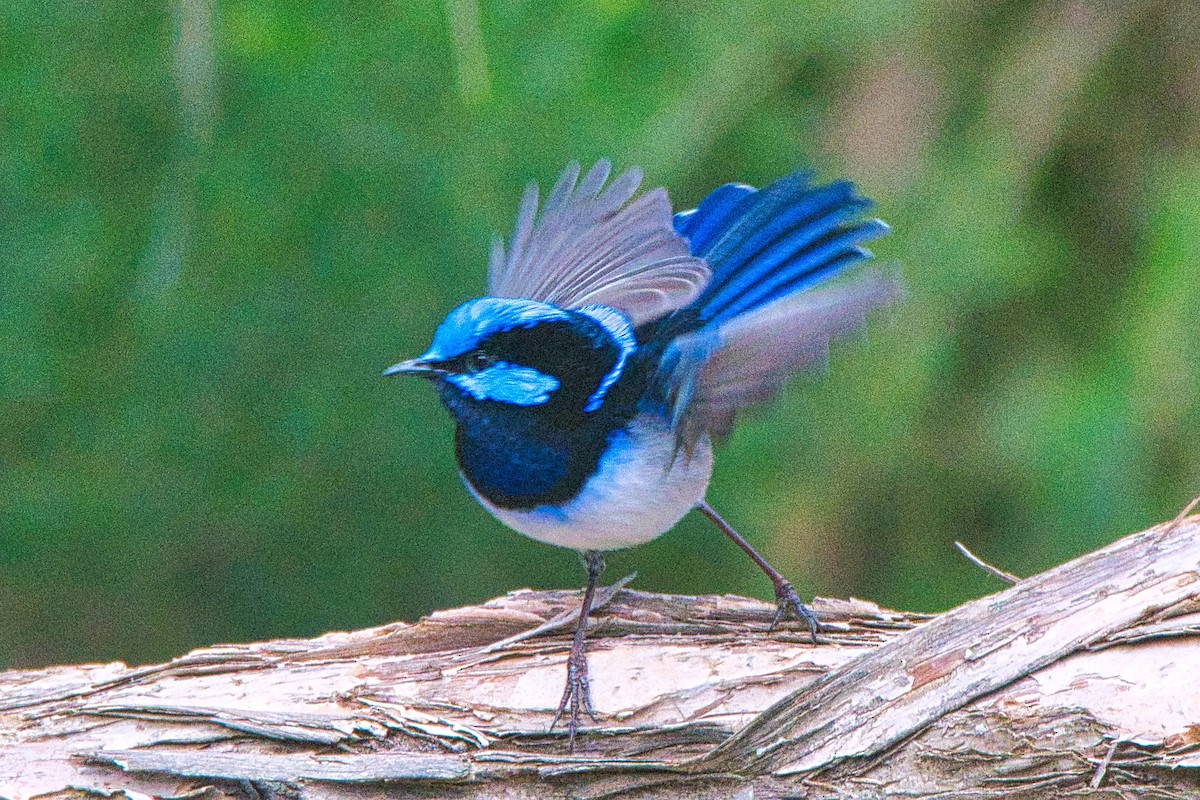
765 244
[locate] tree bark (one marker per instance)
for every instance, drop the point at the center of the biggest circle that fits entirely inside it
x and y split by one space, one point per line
1083 681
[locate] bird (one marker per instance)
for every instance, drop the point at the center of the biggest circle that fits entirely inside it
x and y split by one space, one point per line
618 340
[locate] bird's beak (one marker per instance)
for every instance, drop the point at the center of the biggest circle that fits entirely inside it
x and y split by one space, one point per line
414 366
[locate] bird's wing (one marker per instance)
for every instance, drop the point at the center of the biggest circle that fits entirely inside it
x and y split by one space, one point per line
715 371
596 244
764 244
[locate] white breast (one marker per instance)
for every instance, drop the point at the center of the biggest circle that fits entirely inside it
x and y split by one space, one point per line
636 495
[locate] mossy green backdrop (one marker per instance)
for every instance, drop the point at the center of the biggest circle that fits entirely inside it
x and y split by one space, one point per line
219 219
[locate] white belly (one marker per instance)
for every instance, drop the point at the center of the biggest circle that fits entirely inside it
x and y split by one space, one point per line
636 495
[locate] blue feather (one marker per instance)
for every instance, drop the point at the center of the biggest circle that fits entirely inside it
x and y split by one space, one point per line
749 259
798 261
763 245
708 218
761 215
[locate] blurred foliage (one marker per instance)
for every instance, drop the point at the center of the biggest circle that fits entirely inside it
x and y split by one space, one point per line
220 220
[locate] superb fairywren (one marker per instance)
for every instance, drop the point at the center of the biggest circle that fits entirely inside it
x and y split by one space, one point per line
618 340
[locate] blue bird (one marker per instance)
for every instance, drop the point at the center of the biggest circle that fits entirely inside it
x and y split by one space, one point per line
617 341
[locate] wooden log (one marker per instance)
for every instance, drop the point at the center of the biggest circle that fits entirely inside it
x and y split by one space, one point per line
1083 681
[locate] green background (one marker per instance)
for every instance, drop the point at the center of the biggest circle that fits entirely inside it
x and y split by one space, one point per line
219 220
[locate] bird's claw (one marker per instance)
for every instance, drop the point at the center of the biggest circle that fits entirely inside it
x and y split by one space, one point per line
576 697
786 600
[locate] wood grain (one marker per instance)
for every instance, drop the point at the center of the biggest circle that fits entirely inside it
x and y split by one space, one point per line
1080 681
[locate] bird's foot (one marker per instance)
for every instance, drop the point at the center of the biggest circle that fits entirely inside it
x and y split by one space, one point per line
576 697
787 601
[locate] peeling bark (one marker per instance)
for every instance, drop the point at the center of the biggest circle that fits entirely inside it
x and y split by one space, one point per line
1079 682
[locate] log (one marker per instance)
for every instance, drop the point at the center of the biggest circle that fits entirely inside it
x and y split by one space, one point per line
1083 681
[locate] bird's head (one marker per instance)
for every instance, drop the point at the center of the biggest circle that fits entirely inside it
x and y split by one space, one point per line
496 352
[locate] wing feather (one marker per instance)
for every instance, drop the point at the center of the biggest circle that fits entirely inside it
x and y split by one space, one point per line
598 244
715 372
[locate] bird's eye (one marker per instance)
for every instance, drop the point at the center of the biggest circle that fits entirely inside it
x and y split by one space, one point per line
479 361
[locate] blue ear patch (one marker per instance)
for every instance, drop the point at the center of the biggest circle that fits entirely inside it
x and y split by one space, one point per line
507 383
622 333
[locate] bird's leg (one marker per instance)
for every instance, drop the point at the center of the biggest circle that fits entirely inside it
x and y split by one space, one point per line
786 598
577 694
